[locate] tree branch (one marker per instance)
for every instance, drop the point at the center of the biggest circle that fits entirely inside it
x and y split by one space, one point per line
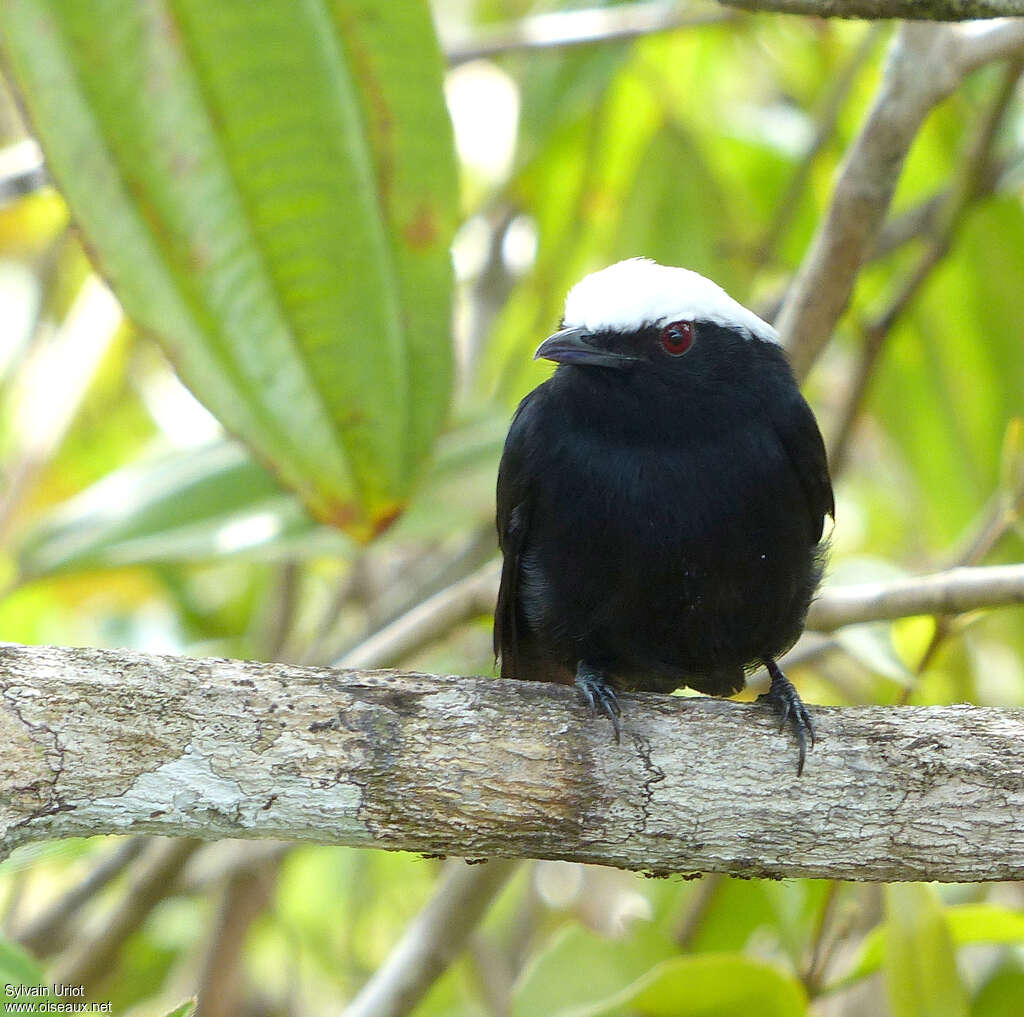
926 64
951 592
96 741
583 27
875 10
433 939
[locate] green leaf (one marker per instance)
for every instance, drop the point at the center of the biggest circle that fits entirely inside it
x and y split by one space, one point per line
270 189
584 975
967 923
920 962
202 503
18 968
1001 993
185 505
579 970
707 985
185 1010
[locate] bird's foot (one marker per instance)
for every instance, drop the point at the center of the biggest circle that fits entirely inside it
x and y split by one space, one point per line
789 706
599 693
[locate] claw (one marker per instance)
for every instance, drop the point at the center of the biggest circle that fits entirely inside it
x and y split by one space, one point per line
599 694
788 705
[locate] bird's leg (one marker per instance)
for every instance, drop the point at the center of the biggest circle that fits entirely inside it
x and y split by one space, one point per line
599 693
788 705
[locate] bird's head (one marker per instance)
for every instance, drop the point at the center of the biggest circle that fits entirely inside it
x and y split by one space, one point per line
638 314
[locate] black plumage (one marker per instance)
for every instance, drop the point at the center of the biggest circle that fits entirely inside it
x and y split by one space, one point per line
661 501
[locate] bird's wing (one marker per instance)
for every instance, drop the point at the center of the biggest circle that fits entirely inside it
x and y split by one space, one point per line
797 429
513 523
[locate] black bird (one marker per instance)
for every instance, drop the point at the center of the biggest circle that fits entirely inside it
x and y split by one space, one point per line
661 498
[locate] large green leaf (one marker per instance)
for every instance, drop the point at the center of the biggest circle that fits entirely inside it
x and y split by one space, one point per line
967 923
709 985
581 974
579 970
920 962
201 503
18 973
270 189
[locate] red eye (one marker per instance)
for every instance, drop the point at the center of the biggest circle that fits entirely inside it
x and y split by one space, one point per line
677 338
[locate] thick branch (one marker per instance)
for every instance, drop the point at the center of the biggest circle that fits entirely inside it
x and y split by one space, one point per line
110 741
875 10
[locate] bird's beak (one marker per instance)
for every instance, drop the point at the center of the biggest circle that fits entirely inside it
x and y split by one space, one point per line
573 346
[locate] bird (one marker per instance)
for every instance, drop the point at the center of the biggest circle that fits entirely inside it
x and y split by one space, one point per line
661 499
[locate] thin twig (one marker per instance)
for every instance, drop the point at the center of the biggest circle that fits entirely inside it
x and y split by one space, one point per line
49 930
926 63
466 599
827 119
953 591
693 918
433 939
817 954
970 184
245 897
93 956
585 27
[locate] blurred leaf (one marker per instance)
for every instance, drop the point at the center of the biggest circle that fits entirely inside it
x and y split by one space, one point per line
17 967
920 963
871 645
215 501
956 359
708 985
1011 462
1001 994
185 1010
579 970
270 189
184 505
967 923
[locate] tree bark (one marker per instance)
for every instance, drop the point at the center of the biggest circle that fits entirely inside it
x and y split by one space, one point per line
912 10
99 741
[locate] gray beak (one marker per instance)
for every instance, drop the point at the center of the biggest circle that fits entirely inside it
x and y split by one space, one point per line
573 346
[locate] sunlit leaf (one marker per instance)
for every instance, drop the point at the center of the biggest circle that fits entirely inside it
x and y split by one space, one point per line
270 190
709 985
579 970
967 923
919 960
19 969
185 1010
1001 994
216 501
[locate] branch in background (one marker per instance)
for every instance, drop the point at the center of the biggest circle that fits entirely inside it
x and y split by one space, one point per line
584 27
433 939
835 606
922 220
925 64
92 957
951 592
468 598
49 930
102 742
827 119
970 185
245 897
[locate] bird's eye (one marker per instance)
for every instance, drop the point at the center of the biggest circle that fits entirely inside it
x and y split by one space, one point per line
677 338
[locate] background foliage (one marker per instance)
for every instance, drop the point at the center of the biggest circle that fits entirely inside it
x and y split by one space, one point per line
129 517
